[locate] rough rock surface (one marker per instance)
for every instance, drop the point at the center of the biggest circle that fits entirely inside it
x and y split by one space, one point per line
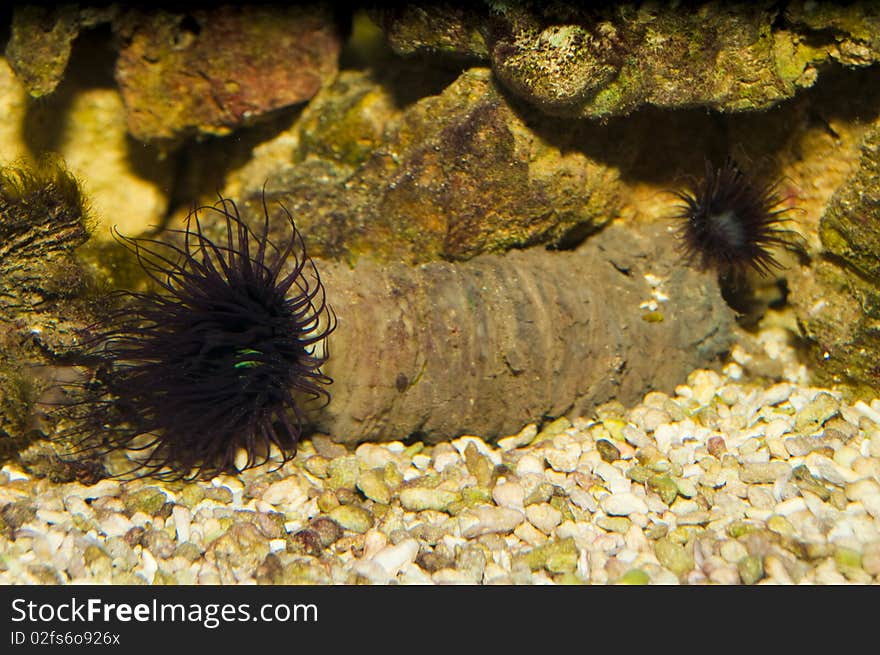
839 301
449 176
210 70
39 46
605 61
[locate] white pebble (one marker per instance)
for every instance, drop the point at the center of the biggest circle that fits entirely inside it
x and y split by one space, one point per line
485 520
563 460
148 566
830 470
543 516
529 464
421 462
182 519
287 492
115 525
482 447
374 456
446 460
277 545
583 500
871 503
623 504
615 481
868 412
393 558
666 434
509 494
524 438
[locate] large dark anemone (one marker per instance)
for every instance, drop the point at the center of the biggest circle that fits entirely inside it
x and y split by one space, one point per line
222 357
731 222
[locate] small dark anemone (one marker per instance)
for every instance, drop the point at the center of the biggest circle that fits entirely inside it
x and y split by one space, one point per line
225 355
732 222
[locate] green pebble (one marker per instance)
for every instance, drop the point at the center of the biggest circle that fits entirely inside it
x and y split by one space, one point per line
847 558
542 493
393 477
751 569
814 414
372 484
553 428
639 474
634 577
317 465
191 495
417 499
657 531
665 487
148 500
739 528
780 525
352 517
673 556
478 465
615 428
343 472
619 524
607 450
220 494
556 557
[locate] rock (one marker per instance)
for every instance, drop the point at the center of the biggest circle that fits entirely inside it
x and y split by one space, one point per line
478 465
762 473
607 450
556 557
210 70
242 547
393 558
509 494
343 472
544 517
716 446
836 298
618 524
564 460
665 487
674 556
623 504
148 500
417 499
751 569
372 484
288 492
327 529
829 470
39 47
487 520
352 517
523 438
469 174
811 418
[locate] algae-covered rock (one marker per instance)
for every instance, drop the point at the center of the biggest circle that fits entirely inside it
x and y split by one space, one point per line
39 46
449 176
210 70
42 220
607 60
838 301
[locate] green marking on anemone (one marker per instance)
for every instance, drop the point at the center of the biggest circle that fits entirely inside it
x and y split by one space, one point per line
247 363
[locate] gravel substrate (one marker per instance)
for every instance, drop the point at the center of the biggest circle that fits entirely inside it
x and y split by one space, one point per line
727 481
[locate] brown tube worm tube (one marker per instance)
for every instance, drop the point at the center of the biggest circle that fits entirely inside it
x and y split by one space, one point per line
486 346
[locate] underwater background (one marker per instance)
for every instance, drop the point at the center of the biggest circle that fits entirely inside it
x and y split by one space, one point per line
486 293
